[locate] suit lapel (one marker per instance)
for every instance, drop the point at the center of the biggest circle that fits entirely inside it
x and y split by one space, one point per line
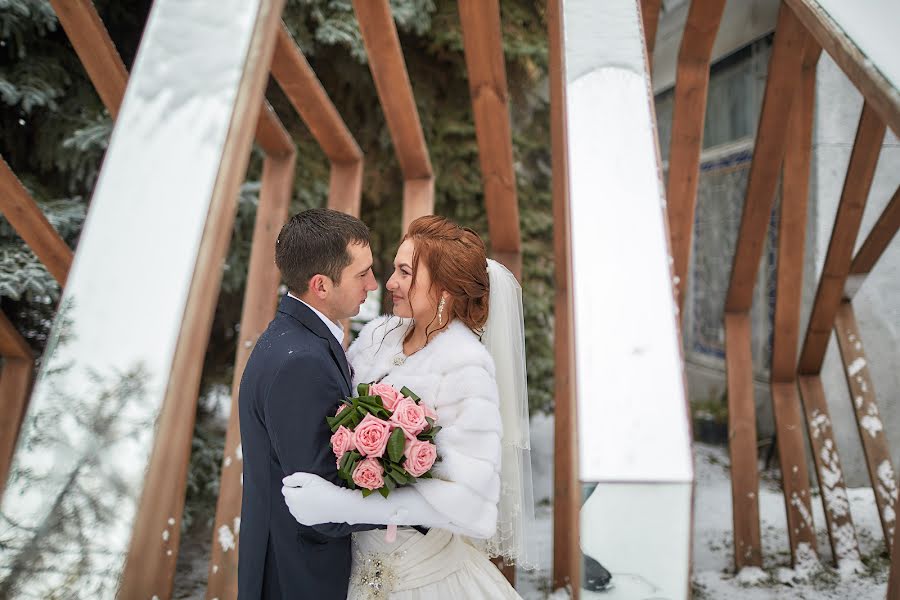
310 320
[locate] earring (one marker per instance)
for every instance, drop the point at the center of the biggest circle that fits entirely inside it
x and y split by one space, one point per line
441 312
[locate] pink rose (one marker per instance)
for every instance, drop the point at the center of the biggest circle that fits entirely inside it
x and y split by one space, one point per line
420 457
369 474
410 416
371 436
389 395
429 412
342 441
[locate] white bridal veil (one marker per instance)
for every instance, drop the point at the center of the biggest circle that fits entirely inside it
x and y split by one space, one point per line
504 337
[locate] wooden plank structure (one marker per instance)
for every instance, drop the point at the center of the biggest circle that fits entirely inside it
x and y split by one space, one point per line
803 30
379 33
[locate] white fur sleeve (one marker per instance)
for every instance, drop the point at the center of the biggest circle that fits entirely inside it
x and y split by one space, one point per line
466 484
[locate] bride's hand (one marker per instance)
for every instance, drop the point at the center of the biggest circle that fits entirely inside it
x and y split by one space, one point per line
311 499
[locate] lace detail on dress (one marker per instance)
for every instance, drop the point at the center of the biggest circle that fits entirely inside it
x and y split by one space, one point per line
374 573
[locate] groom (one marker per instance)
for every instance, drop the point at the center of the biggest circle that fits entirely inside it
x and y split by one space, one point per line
295 377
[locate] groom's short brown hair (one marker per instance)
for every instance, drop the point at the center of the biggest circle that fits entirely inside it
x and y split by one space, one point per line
315 242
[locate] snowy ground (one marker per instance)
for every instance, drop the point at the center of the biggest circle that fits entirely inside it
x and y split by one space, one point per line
712 549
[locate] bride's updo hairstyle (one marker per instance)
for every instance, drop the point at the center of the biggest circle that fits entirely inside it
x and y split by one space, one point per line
457 260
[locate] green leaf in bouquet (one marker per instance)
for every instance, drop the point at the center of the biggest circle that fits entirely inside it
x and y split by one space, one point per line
384 491
389 484
426 475
409 394
395 445
344 459
366 493
363 389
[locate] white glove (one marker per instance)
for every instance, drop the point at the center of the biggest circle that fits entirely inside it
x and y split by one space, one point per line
313 500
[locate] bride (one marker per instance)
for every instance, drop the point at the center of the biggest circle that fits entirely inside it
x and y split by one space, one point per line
459 316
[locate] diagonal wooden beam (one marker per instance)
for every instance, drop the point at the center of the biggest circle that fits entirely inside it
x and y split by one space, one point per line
26 218
874 86
300 84
271 135
768 152
882 233
483 44
689 112
94 47
860 171
650 18
376 24
567 555
868 419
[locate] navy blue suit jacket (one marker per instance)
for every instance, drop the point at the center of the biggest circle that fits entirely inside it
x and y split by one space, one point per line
295 377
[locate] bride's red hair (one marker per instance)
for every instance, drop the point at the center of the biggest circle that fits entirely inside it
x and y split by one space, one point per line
457 261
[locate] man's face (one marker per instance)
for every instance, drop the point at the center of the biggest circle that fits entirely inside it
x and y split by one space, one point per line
357 280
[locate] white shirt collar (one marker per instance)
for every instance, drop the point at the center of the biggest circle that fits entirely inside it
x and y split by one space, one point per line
336 330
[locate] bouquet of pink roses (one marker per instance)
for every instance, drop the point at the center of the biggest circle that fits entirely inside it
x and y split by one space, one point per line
383 438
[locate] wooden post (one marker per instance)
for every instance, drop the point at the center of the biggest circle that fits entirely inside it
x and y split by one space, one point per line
791 237
260 300
15 386
650 20
841 532
742 442
483 44
689 112
150 563
868 419
882 233
567 554
771 137
376 24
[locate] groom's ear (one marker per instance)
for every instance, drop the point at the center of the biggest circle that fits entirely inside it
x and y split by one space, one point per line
319 285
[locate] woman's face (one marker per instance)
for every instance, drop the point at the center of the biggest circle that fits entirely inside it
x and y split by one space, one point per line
417 302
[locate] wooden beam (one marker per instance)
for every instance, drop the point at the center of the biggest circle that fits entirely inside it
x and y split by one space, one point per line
271 135
94 47
771 137
379 34
650 18
688 114
792 224
860 171
15 385
791 237
742 442
841 533
868 419
260 300
483 44
875 88
150 563
881 235
308 97
893 591
26 218
567 555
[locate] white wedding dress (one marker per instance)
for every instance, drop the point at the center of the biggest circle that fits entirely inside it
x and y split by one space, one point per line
454 375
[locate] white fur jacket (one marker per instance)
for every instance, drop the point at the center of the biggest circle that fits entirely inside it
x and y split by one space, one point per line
454 375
